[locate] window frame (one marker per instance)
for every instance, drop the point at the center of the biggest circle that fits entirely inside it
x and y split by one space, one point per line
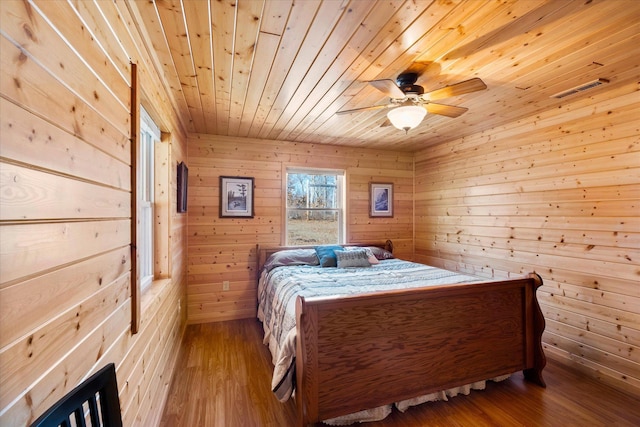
150 136
340 198
163 208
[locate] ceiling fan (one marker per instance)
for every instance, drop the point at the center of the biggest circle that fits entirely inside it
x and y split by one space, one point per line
409 104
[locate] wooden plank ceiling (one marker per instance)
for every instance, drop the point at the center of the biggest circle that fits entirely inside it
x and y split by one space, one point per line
281 69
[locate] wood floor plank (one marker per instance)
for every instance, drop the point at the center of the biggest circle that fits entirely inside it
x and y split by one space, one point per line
223 379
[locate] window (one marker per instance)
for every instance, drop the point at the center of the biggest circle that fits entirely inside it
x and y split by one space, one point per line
151 208
149 136
314 207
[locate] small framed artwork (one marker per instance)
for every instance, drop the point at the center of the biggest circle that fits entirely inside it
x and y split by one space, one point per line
236 197
183 180
380 199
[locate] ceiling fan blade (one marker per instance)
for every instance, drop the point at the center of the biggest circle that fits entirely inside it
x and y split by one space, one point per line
358 110
445 110
456 89
418 67
388 87
386 123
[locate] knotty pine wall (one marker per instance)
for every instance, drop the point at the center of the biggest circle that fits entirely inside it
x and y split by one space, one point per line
557 193
65 264
225 248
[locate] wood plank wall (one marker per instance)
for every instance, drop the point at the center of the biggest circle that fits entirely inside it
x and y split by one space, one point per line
557 193
65 282
224 248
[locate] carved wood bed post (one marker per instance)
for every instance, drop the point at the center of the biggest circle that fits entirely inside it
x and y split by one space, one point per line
539 359
306 394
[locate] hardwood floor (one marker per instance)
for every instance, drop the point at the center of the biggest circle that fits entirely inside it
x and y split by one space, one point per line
223 379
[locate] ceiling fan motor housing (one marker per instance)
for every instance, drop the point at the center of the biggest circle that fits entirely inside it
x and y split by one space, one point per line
406 83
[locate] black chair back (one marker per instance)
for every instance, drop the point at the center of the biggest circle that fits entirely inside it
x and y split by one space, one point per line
95 400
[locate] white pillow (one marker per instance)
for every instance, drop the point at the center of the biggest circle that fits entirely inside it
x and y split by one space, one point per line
372 258
352 258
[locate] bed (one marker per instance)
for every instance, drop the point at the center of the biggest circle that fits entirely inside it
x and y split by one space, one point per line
346 352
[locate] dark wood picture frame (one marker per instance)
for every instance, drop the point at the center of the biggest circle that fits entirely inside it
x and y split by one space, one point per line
236 197
381 199
183 181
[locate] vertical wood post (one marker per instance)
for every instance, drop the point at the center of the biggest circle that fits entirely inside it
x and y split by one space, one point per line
534 374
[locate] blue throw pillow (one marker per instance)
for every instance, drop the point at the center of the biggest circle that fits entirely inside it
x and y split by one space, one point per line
326 255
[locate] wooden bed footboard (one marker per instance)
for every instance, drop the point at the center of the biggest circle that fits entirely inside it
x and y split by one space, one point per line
359 352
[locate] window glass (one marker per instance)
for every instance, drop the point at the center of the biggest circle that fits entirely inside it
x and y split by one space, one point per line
149 136
314 207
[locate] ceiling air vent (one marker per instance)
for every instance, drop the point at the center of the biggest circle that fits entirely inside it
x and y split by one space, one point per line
580 88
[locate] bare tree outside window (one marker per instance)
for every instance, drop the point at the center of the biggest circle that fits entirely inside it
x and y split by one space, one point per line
314 208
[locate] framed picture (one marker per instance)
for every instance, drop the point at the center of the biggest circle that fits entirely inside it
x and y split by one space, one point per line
236 197
183 180
380 199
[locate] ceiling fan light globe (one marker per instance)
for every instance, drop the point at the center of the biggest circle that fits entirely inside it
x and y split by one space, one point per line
406 117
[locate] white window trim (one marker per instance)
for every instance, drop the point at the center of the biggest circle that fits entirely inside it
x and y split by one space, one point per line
149 137
341 197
